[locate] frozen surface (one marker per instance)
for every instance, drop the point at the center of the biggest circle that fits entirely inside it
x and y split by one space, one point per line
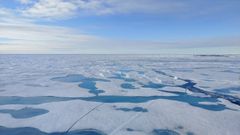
119 95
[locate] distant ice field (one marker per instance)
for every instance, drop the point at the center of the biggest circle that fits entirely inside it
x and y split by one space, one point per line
119 94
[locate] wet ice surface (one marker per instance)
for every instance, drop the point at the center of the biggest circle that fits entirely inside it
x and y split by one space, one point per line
119 94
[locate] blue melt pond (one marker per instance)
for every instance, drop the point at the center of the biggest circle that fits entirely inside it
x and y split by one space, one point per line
86 82
70 78
127 86
35 131
135 109
164 132
153 85
181 97
91 86
26 112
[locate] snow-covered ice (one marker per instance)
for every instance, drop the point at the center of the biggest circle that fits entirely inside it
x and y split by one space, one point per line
119 95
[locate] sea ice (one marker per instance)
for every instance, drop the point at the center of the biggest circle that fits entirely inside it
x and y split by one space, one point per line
119 94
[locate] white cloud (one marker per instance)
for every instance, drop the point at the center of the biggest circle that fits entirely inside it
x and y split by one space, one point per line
25 1
39 37
61 8
23 35
51 9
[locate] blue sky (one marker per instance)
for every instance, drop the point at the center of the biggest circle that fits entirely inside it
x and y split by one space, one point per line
120 26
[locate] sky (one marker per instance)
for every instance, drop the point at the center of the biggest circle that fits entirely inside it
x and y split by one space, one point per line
119 26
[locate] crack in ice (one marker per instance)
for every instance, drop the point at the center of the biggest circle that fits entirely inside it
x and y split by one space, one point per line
190 85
